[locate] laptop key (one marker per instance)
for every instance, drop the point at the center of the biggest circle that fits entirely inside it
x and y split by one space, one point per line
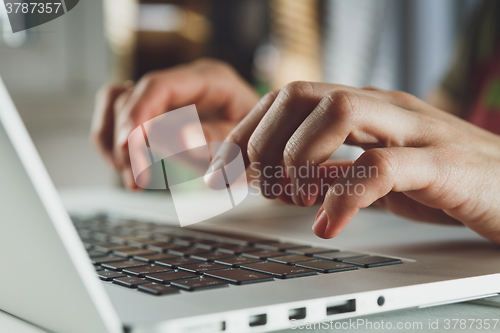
130 253
118 266
238 261
142 243
109 275
199 283
157 289
202 267
279 270
264 254
107 259
310 251
153 257
211 256
145 270
339 256
130 282
374 261
238 249
290 259
95 254
326 266
176 262
112 247
240 276
187 251
170 276
279 246
163 247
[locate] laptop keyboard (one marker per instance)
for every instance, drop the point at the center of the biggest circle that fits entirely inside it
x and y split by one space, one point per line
164 260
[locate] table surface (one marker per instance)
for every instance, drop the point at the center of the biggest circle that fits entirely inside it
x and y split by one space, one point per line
479 310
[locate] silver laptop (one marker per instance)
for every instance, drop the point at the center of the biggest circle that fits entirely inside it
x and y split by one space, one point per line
106 272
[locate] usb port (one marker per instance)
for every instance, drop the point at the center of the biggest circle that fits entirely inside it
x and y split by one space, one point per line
257 320
297 314
341 307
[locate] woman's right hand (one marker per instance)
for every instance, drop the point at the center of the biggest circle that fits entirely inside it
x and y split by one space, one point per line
221 96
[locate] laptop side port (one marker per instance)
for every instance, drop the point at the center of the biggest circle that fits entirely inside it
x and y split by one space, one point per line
299 313
341 307
257 320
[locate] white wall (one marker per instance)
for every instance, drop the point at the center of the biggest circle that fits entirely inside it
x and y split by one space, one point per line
53 79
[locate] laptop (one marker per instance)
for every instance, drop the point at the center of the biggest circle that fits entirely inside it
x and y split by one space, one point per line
106 271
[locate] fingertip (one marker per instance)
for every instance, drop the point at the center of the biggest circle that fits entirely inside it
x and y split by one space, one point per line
320 225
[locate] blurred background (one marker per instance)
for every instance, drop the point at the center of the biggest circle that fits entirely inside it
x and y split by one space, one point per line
53 71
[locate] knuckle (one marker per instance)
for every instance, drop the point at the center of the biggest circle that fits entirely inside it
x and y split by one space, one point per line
380 158
340 104
149 79
403 97
296 89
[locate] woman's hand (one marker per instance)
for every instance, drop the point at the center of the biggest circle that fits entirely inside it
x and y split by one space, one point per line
221 96
425 164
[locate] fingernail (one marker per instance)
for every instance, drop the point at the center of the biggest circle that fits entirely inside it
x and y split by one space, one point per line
296 195
321 209
319 226
212 178
128 178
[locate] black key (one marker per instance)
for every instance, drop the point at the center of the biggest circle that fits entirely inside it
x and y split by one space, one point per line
101 236
121 240
210 245
203 267
279 246
176 262
118 266
240 276
241 239
85 233
88 246
109 275
170 276
279 270
95 254
211 256
264 254
373 261
327 266
290 259
142 243
238 261
339 256
102 260
98 268
187 251
163 247
153 257
143 271
134 252
161 237
205 243
130 282
199 283
157 289
182 240
309 251
112 247
238 249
